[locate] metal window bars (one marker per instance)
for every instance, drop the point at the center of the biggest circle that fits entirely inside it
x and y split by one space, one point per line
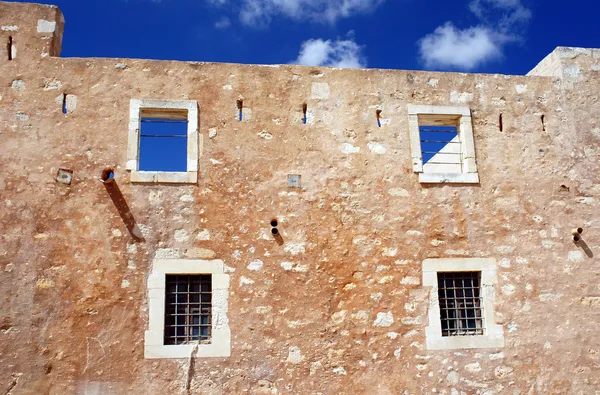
459 295
188 302
167 131
441 145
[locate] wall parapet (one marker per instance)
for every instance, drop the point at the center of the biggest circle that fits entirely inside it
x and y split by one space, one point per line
31 31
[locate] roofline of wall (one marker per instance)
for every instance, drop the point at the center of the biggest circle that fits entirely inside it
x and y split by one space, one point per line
549 66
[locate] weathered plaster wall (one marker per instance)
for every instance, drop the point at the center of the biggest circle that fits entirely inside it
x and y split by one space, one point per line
73 307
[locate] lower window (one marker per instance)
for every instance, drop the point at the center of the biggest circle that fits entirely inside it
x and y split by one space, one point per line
459 296
461 303
188 304
188 308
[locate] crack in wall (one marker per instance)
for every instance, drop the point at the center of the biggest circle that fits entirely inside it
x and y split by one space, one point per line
13 384
191 369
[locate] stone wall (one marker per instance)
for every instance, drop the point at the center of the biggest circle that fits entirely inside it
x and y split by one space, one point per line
339 307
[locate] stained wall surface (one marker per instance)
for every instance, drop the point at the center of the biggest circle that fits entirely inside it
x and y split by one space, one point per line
73 296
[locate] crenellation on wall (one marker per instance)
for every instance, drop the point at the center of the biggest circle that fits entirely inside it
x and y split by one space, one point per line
32 31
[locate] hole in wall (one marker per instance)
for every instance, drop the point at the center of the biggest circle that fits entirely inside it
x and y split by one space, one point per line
304 110
564 188
240 106
108 175
64 103
378 114
294 181
9 46
274 222
64 176
500 123
543 119
274 231
577 234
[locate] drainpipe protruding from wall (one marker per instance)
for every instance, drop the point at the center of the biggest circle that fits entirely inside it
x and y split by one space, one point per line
107 176
275 231
577 234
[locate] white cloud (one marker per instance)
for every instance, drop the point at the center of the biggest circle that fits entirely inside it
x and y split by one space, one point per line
464 49
261 12
339 53
513 12
501 22
223 23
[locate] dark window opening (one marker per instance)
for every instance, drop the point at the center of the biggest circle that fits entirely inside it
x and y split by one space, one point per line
440 145
163 141
500 123
543 118
64 103
188 311
304 110
9 47
240 106
460 301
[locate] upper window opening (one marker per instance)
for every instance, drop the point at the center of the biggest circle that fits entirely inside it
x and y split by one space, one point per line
442 144
163 141
459 296
188 309
440 148
163 144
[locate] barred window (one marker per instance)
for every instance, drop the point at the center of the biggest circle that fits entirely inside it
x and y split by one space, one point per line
441 149
188 309
459 295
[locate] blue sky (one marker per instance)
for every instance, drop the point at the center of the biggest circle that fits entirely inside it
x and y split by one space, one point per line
491 36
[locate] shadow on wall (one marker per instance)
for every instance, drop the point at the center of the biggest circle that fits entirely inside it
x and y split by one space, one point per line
121 204
585 248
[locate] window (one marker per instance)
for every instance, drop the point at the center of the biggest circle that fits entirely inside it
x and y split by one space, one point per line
188 304
459 297
188 309
163 141
441 140
461 303
163 144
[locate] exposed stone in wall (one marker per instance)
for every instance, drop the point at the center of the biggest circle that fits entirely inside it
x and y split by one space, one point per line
338 307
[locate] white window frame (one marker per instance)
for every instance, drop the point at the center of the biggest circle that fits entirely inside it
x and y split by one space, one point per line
136 107
220 342
469 173
493 336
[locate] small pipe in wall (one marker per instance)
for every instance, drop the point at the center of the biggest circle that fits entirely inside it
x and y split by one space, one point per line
107 176
275 231
577 234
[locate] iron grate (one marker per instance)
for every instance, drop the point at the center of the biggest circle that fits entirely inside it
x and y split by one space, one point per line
188 301
440 145
459 295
